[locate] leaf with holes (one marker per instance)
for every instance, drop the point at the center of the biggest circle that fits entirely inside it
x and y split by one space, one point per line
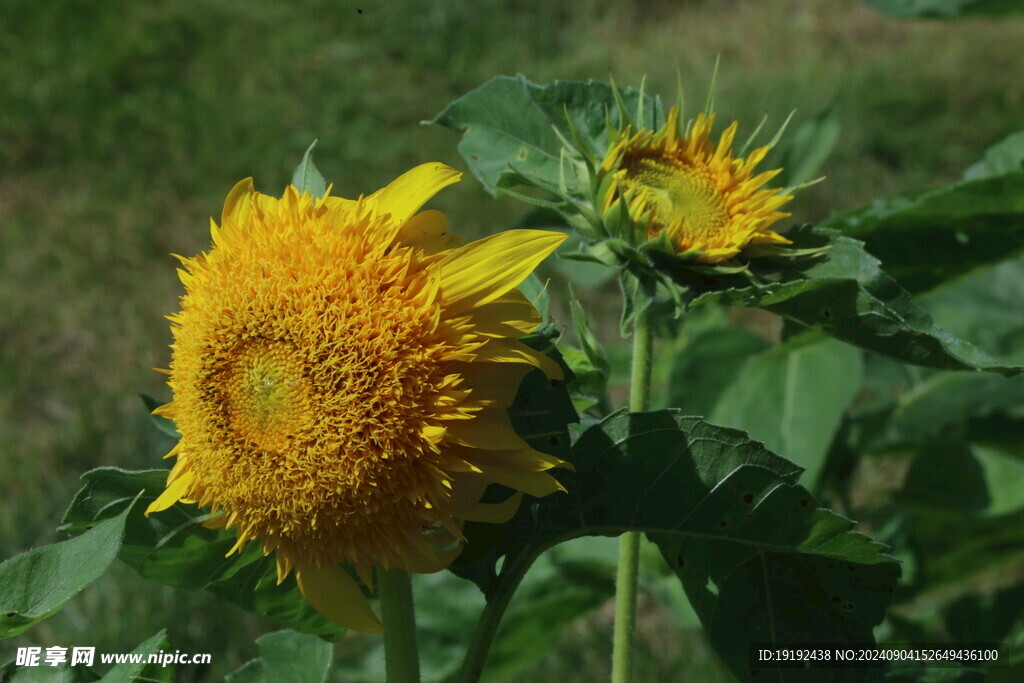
759 559
846 294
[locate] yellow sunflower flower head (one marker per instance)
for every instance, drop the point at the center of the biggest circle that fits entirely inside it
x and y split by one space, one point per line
707 202
342 372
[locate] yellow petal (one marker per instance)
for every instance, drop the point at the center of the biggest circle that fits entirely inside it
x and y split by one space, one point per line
513 351
510 315
217 521
429 564
484 270
494 513
237 206
427 231
493 383
172 494
334 594
411 190
538 484
489 429
524 469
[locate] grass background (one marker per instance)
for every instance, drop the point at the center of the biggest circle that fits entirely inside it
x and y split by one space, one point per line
124 124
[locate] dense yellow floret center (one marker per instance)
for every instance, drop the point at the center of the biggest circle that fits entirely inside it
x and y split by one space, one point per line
681 195
268 394
309 389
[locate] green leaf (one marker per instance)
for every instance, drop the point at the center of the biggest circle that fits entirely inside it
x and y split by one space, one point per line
509 123
171 547
911 407
707 364
1003 471
36 584
1006 156
543 409
793 398
725 512
164 424
983 307
46 674
126 672
846 294
940 404
928 237
804 151
306 177
287 656
534 289
590 365
949 477
584 274
298 657
556 592
946 9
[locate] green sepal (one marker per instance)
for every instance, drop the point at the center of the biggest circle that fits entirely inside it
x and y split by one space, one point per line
593 369
307 177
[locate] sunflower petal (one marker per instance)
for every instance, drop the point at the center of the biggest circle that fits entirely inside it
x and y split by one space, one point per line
411 190
482 271
494 513
489 429
174 492
334 594
437 560
494 383
427 231
237 205
538 484
513 351
507 316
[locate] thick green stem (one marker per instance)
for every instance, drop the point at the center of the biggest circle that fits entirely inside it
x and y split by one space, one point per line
401 659
629 542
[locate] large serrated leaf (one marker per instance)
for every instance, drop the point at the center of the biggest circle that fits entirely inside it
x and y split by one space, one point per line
846 294
508 125
928 237
725 511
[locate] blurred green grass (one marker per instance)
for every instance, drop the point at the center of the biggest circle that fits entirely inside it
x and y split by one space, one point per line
124 124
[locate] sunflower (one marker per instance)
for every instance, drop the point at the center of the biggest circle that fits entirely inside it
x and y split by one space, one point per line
342 371
707 201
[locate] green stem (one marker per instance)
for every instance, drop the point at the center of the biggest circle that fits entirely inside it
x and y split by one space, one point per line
486 628
401 660
629 542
